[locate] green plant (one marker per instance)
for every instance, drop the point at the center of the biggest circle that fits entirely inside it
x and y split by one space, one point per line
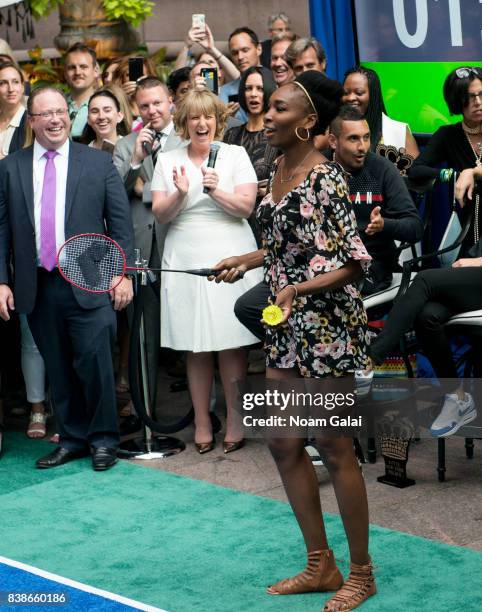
41 8
41 71
132 11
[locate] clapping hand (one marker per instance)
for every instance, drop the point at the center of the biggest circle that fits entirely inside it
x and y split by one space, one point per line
180 180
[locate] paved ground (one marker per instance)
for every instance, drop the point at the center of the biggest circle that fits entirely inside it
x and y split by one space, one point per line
450 512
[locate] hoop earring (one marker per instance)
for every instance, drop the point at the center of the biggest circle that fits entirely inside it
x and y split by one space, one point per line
299 137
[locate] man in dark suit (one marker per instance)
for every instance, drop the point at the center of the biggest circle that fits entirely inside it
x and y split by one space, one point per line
135 157
50 192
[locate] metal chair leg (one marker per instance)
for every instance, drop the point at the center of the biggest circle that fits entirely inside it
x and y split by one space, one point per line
469 448
441 460
372 450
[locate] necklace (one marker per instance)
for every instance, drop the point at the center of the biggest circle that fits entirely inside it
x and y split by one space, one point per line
472 131
295 171
478 156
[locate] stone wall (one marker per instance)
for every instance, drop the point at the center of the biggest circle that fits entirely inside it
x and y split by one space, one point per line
172 19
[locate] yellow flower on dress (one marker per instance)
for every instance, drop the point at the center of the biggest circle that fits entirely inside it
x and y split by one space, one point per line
272 315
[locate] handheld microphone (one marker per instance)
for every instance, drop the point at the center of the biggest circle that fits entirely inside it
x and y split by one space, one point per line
213 153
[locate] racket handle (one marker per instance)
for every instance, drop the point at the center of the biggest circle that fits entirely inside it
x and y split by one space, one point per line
210 272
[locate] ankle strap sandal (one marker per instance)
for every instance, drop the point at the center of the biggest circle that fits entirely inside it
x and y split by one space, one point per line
359 587
321 574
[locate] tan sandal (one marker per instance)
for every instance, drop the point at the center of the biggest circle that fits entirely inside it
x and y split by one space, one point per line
321 574
37 427
359 587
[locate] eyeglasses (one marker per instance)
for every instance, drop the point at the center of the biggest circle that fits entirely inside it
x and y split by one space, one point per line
463 73
473 96
60 112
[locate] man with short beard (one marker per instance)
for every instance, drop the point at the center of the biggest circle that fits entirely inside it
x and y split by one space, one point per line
245 52
81 73
383 207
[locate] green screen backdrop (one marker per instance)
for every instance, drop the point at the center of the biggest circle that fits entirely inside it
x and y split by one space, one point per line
413 45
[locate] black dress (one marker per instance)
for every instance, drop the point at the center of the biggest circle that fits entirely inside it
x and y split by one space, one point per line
449 146
310 231
262 156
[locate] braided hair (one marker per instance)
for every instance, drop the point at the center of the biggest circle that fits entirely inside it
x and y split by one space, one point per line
376 105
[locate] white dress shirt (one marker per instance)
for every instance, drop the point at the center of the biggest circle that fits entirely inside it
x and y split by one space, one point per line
61 162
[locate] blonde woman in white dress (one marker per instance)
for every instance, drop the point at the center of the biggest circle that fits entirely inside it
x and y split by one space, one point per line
197 316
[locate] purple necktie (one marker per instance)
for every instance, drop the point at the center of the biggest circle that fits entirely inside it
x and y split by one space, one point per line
48 247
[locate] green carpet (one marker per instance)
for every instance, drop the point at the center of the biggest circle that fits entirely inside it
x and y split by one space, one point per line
185 545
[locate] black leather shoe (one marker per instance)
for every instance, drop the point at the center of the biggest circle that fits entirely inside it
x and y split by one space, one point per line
103 458
60 456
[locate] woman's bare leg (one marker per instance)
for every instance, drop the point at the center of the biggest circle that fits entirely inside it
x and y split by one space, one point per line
299 479
339 457
200 374
232 368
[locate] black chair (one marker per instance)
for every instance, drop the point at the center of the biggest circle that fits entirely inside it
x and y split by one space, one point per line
468 323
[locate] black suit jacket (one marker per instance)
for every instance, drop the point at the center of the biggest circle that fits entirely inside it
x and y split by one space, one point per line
96 202
18 137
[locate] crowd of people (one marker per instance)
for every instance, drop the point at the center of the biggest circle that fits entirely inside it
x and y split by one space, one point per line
301 209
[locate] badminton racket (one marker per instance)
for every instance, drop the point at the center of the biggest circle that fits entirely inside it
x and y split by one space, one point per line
92 261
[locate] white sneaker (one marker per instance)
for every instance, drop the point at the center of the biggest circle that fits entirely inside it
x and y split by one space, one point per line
454 414
363 382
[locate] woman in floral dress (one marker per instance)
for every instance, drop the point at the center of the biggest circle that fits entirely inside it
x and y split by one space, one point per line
311 255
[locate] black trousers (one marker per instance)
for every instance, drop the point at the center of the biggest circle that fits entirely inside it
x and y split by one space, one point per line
433 297
76 345
249 307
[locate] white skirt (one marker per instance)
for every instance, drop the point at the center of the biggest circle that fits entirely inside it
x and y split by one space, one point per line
198 315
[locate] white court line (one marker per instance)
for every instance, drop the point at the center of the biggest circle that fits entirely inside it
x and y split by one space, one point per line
79 585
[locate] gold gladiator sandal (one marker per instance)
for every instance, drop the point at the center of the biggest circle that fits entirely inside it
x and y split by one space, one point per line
359 587
321 574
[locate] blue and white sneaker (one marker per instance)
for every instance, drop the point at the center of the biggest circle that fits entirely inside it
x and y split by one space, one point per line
313 453
363 382
455 413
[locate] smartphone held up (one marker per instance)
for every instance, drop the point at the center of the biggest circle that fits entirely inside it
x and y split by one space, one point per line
210 76
199 21
136 68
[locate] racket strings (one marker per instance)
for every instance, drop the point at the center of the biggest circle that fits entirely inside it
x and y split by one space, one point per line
91 262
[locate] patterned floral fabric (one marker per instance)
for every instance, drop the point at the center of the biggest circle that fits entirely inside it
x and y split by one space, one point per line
312 230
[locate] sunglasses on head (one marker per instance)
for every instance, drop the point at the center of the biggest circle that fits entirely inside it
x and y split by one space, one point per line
463 73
